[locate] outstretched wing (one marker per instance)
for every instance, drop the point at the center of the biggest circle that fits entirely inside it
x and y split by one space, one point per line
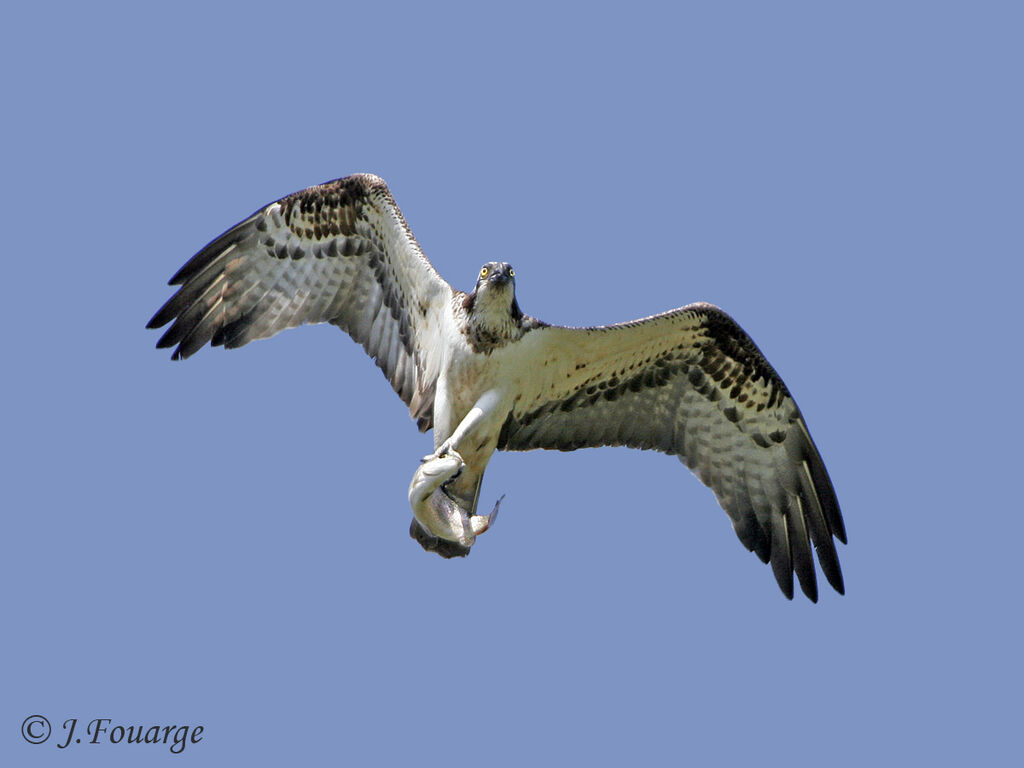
340 252
690 382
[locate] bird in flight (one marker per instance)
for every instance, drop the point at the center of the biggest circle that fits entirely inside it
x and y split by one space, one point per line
485 376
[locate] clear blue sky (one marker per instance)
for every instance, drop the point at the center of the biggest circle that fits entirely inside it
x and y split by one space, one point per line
223 542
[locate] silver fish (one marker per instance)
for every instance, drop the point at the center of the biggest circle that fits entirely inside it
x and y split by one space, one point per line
439 513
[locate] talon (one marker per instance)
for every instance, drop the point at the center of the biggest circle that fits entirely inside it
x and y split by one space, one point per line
442 463
447 450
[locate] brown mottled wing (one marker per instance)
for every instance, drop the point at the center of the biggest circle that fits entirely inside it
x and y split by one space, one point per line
691 383
339 252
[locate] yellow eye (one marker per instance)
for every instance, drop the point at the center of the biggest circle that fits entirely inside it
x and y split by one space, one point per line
484 271
511 272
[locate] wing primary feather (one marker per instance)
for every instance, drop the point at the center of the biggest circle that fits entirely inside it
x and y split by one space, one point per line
193 317
229 336
823 485
243 329
782 563
202 331
752 535
800 547
187 295
740 508
820 534
213 250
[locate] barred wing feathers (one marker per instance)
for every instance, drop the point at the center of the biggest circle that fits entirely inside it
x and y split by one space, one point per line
691 382
340 252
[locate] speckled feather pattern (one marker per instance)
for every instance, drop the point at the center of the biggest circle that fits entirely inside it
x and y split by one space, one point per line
690 383
339 252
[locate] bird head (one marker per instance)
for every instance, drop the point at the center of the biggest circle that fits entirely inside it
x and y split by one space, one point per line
495 290
496 275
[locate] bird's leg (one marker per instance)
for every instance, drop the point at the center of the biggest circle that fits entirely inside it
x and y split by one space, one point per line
441 512
476 420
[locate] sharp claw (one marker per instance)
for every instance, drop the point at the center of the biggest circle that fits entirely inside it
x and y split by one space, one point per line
447 450
441 452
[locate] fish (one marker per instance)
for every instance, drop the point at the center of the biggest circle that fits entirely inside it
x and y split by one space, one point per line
441 514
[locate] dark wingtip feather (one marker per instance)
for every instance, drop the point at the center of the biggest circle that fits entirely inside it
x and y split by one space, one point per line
834 576
214 249
782 563
822 510
807 578
165 314
800 549
826 492
829 562
183 299
195 340
233 335
840 532
173 336
785 584
169 339
752 535
810 588
818 527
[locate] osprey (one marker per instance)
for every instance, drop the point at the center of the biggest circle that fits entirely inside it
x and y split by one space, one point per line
485 376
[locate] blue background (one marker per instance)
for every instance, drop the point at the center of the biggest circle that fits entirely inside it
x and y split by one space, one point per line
223 542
